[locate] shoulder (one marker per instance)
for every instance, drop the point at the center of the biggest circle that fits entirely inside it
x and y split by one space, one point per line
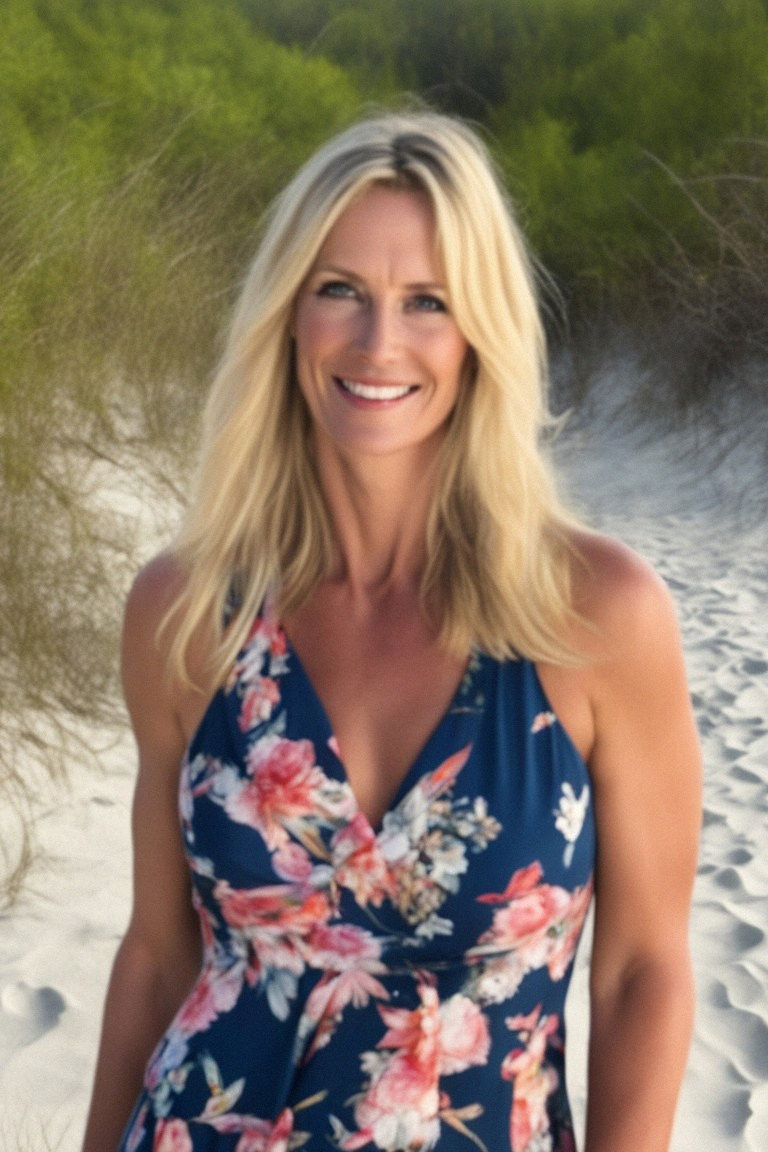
152 623
634 673
630 663
624 605
625 636
165 656
156 588
156 610
146 643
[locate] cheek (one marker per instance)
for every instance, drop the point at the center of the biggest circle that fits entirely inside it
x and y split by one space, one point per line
454 358
318 338
310 344
306 333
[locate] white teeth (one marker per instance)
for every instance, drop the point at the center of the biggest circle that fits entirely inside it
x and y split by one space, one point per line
376 392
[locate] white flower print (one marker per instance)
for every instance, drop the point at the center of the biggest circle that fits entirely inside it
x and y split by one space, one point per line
570 815
433 926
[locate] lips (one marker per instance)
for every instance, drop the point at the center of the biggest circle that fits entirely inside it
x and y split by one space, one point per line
374 391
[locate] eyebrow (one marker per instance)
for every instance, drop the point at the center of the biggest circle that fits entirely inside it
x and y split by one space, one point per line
417 286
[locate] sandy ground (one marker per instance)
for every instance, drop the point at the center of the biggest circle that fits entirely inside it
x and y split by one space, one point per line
704 528
703 524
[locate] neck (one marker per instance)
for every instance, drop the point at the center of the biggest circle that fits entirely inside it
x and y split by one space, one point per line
378 507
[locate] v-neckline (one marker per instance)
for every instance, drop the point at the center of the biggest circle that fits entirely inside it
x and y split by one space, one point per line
408 781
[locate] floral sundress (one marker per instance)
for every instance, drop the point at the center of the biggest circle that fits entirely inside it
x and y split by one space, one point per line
394 988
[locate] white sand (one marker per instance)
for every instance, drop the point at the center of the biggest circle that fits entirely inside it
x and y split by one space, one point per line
705 530
704 526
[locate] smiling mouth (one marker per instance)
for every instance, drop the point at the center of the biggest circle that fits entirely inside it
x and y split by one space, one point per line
375 391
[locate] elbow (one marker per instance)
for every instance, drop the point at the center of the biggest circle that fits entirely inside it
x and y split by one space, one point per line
647 1016
658 989
144 977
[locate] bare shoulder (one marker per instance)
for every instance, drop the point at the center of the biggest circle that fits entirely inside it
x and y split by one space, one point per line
634 675
147 686
157 586
158 695
629 642
625 604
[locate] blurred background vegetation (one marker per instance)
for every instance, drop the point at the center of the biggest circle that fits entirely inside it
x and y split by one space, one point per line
140 144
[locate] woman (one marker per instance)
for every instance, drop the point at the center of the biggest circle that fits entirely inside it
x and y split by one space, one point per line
409 696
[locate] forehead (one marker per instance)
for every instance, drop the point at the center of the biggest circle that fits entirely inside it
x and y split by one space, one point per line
384 224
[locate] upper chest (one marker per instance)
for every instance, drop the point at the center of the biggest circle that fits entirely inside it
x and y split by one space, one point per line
384 684
265 791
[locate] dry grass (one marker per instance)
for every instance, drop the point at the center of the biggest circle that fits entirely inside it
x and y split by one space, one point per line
110 313
712 326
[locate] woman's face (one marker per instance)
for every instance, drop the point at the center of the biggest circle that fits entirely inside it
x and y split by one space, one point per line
379 357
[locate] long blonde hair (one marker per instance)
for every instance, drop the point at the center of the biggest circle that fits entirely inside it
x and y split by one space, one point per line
497 535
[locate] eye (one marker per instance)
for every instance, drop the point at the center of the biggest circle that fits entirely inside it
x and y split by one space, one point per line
337 288
424 302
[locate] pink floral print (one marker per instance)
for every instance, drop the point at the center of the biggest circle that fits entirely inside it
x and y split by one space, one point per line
214 992
401 1104
360 865
260 694
538 927
311 920
261 1135
534 1081
172 1136
285 786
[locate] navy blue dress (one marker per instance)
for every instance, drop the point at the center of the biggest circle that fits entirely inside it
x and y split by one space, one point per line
394 988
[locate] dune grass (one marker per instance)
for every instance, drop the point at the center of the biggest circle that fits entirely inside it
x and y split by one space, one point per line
714 327
113 302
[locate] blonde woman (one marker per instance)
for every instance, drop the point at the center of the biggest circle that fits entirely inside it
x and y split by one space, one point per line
397 716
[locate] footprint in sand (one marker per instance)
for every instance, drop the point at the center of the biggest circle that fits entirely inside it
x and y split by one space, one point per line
757 1125
745 776
743 989
746 936
28 1013
733 1112
729 879
741 1035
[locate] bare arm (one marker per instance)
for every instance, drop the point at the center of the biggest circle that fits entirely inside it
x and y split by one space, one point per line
645 765
159 956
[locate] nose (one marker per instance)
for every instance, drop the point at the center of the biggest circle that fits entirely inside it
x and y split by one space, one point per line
378 331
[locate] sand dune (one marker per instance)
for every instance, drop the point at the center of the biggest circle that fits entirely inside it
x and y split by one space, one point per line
703 523
704 528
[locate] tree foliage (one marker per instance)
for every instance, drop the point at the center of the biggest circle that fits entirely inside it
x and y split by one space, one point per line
589 105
